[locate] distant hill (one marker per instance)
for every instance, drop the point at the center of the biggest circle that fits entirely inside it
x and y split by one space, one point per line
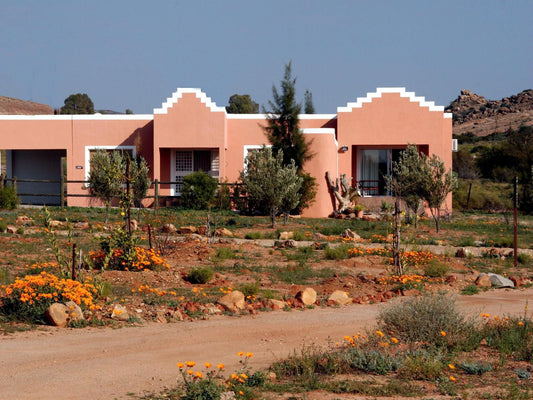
479 116
9 105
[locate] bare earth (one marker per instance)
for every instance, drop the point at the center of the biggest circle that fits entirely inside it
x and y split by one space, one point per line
109 363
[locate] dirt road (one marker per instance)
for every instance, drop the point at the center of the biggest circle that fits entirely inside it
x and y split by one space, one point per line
62 364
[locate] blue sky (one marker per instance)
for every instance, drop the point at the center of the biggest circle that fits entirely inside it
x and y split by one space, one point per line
134 54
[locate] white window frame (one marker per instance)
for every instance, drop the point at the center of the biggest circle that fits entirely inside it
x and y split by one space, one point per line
88 150
248 147
173 175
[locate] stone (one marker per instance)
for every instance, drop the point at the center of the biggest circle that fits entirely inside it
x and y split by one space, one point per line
286 244
276 304
286 235
370 217
306 296
319 236
57 314
483 281
463 253
500 281
57 224
224 232
169 228
517 281
24 220
233 302
120 313
11 229
451 279
134 225
339 297
187 230
81 225
349 234
478 243
74 311
201 230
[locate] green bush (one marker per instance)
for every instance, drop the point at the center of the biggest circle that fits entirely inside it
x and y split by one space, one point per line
200 275
475 368
513 337
250 289
198 190
370 360
436 269
423 365
8 198
3 226
339 252
432 318
225 253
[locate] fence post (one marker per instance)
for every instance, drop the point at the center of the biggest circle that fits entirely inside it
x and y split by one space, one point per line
62 190
15 184
2 176
156 194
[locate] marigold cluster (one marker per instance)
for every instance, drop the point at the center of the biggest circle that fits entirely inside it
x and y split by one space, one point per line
404 279
46 287
145 259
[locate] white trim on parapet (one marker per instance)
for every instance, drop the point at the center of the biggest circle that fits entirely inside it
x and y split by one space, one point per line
178 94
401 91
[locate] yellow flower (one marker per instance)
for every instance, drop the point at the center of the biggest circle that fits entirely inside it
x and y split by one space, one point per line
443 333
208 365
244 376
240 353
248 355
190 372
180 365
452 378
380 334
220 366
451 366
190 364
199 374
394 340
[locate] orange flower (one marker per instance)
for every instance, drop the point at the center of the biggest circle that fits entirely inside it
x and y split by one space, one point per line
452 378
248 355
220 366
380 334
190 364
451 366
394 340
240 353
180 365
208 365
443 333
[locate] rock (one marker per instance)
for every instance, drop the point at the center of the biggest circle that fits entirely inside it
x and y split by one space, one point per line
201 230
463 253
169 228
500 281
24 220
276 304
57 314
74 311
161 317
340 297
319 236
223 232
187 230
306 296
348 233
451 279
483 281
120 313
11 229
478 243
210 310
517 281
287 244
233 302
57 224
81 225
352 215
370 217
134 225
286 235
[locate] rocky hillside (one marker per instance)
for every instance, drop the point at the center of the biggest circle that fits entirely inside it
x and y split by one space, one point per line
9 105
475 114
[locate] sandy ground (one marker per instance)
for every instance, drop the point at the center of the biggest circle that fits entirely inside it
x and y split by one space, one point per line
108 363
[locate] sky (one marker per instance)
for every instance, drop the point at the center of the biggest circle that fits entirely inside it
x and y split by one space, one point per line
134 54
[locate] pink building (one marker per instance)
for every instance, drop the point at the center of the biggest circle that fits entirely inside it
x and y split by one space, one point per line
190 132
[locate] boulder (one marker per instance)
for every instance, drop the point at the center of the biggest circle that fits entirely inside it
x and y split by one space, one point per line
339 297
306 296
187 230
285 244
57 224
11 229
500 281
201 230
57 314
286 235
168 228
319 236
120 313
134 225
483 281
463 253
233 302
74 311
276 304
81 225
370 217
223 232
349 234
24 220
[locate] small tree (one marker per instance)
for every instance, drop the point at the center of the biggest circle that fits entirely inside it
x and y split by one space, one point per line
309 108
198 190
106 176
269 182
140 180
438 183
79 103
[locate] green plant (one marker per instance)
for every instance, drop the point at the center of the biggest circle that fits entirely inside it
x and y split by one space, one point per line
511 337
198 190
522 258
3 226
225 253
422 365
339 252
8 198
436 269
253 235
371 360
200 275
470 290
475 368
432 318
250 289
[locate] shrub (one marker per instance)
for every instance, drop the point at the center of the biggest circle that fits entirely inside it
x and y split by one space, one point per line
436 269
370 360
198 190
514 337
337 253
431 318
3 226
250 289
475 368
8 198
423 365
200 275
225 253
470 290
522 258
28 298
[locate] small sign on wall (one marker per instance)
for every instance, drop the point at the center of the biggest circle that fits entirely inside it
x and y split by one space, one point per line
79 167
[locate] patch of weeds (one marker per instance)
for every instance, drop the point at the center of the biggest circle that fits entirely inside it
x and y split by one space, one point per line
295 274
253 235
339 252
512 337
3 226
300 255
422 365
250 289
371 361
447 388
225 253
199 275
393 387
436 269
522 373
475 368
5 276
269 294
80 323
523 258
470 290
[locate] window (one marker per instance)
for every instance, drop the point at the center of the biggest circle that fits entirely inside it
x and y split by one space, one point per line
185 162
372 168
90 150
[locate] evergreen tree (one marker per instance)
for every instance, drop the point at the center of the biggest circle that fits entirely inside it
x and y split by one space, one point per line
309 108
242 104
79 103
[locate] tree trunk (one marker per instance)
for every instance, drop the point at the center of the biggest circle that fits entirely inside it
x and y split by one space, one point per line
285 218
396 239
273 218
